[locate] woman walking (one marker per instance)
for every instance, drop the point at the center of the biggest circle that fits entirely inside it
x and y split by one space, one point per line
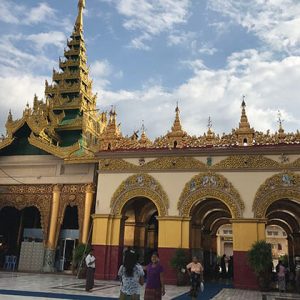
280 269
132 277
155 287
195 271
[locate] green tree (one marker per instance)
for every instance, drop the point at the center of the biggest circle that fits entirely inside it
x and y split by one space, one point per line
260 260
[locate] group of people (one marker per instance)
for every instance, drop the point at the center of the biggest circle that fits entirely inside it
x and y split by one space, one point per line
131 275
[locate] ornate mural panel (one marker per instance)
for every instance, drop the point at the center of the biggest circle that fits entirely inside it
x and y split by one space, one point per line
280 186
210 185
140 185
22 196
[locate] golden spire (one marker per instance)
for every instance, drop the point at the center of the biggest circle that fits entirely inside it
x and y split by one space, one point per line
245 134
244 120
10 117
79 20
144 140
281 133
210 134
177 124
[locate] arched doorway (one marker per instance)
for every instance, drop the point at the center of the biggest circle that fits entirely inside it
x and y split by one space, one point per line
17 226
68 239
283 227
207 216
139 228
278 201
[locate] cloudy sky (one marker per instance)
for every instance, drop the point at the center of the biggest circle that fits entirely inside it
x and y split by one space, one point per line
145 55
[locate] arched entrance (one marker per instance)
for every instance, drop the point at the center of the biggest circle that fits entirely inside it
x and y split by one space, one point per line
207 216
139 228
210 200
68 239
278 201
284 215
17 226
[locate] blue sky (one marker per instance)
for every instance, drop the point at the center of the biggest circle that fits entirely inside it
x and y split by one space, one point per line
145 55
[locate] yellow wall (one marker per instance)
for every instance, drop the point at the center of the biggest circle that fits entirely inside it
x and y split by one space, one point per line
106 230
246 232
173 233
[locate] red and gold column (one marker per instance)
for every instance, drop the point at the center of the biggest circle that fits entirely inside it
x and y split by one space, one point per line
173 233
106 245
245 233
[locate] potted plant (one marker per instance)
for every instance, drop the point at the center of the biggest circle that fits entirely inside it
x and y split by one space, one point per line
179 262
260 260
78 263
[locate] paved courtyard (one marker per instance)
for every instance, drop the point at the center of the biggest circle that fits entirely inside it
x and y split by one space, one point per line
25 286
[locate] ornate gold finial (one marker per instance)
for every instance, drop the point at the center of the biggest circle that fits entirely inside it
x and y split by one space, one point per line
209 124
280 121
210 134
144 140
281 133
245 134
79 20
177 124
10 117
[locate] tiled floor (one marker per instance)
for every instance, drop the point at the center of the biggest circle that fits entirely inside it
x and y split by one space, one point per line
25 286
64 286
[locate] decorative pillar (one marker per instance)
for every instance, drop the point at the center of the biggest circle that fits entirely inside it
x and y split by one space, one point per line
173 233
49 258
296 242
89 192
107 245
245 233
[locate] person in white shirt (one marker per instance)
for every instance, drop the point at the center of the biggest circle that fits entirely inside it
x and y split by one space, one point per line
90 270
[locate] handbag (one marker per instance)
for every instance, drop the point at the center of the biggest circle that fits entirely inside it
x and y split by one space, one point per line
202 286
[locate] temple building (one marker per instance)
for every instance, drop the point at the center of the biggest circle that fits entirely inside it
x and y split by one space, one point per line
66 168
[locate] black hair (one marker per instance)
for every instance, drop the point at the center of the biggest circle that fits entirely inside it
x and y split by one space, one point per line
155 253
130 260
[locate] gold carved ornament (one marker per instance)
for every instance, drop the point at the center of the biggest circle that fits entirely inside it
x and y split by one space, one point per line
247 162
210 185
140 185
22 196
280 186
164 163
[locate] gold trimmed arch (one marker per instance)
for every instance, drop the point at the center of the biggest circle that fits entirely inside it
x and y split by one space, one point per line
280 186
210 185
140 185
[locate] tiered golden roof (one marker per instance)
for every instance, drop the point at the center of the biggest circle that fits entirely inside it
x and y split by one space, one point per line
68 125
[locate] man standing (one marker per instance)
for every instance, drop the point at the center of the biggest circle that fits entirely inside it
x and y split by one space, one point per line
90 271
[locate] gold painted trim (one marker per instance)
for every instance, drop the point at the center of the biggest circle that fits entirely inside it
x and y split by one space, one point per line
210 185
247 220
280 186
140 185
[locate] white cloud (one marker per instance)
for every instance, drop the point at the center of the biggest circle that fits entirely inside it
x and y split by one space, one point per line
269 85
151 17
17 61
275 22
208 50
16 91
41 13
43 39
9 12
178 37
102 71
